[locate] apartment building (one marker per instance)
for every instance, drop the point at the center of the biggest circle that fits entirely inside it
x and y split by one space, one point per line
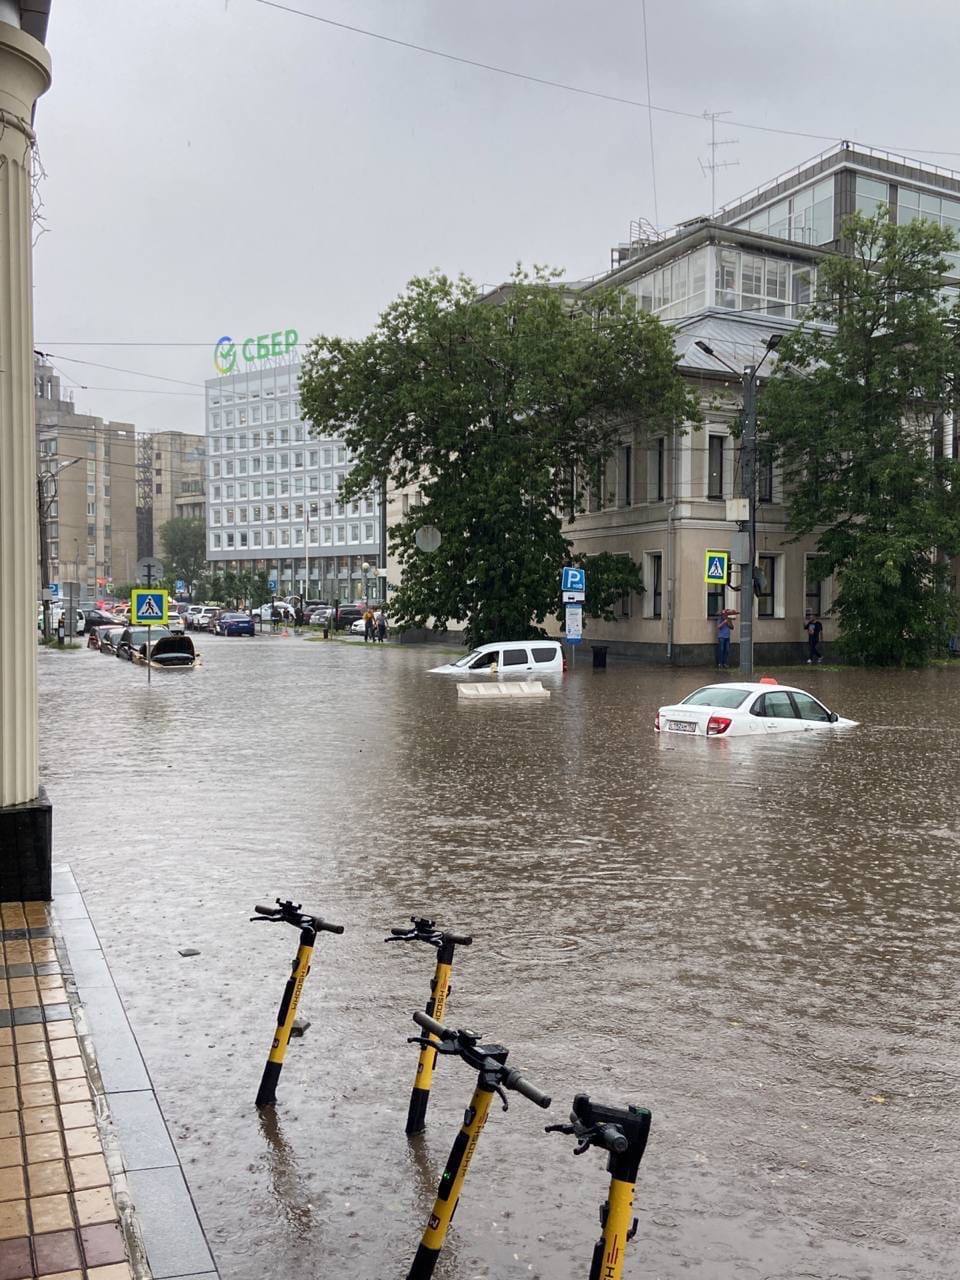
91 507
272 491
171 483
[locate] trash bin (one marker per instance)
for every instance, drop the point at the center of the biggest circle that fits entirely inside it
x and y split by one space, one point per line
599 657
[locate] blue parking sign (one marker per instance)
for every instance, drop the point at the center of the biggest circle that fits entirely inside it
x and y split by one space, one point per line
271 584
573 579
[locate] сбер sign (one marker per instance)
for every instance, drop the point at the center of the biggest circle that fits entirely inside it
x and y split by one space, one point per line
227 354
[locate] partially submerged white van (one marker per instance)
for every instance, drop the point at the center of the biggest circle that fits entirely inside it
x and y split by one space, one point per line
507 658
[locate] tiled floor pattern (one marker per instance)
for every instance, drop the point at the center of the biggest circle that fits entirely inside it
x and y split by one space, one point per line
57 1215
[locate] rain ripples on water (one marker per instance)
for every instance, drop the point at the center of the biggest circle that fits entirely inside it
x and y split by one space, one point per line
759 940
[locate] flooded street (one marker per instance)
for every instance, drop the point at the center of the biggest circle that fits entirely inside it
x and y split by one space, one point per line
756 939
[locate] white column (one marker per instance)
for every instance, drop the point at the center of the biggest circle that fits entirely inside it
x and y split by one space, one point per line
24 76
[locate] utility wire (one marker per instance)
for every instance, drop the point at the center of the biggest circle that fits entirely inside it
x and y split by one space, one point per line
137 373
569 88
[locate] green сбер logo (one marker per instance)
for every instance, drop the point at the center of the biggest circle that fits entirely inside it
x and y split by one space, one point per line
227 354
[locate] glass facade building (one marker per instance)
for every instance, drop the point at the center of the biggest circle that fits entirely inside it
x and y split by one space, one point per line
273 492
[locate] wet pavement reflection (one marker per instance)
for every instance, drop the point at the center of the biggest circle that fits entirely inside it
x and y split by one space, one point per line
758 940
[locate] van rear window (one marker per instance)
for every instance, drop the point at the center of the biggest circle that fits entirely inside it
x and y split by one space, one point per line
544 654
514 657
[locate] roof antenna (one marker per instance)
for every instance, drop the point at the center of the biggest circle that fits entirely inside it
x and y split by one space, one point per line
713 164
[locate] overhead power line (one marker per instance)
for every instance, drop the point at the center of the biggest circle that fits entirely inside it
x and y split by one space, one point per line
569 88
137 373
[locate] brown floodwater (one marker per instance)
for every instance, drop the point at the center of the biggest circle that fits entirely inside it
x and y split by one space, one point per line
758 940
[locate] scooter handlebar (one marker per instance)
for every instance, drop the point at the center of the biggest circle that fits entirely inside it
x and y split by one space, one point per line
431 1024
612 1137
267 911
459 939
513 1080
324 926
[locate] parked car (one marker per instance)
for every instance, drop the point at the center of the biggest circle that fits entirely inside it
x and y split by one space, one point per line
201 619
107 638
175 623
135 638
320 616
739 710
358 628
348 615
94 617
228 622
518 657
190 617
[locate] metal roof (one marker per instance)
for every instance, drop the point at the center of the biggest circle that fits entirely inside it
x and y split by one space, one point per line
34 16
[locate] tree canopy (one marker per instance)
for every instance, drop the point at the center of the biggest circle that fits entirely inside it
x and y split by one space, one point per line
854 413
184 543
492 414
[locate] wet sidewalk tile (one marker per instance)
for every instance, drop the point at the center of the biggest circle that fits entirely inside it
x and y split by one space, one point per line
57 1213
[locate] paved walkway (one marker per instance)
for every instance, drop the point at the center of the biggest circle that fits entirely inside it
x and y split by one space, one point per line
58 1217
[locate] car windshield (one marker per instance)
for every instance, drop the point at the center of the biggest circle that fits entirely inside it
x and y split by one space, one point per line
467 659
717 695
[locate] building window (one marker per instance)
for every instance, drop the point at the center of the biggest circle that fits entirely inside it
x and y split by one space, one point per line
625 476
656 585
766 600
715 467
715 599
813 590
871 195
661 465
765 475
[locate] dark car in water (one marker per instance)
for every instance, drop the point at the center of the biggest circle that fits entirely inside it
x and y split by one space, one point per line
348 615
135 639
229 623
107 637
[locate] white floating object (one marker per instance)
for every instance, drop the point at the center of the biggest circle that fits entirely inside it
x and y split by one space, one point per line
503 689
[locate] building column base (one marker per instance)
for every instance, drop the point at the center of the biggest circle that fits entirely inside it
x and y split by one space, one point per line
26 844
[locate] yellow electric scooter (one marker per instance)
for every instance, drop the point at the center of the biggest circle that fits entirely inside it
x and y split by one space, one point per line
426 931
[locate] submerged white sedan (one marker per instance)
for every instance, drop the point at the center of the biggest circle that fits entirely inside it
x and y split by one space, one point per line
738 709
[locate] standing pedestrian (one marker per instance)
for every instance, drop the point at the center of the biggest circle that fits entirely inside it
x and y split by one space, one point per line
274 618
367 624
724 632
298 617
380 618
814 629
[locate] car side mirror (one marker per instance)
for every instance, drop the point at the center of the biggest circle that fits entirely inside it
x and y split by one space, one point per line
834 717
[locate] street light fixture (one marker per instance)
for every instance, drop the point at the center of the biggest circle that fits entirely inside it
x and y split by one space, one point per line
366 569
748 473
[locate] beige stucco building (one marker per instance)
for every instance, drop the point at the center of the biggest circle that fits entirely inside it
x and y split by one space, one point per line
91 507
175 463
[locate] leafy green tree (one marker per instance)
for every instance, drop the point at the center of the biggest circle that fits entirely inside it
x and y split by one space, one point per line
854 413
496 414
609 578
184 544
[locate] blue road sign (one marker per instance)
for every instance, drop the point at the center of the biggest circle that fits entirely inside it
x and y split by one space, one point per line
573 579
55 590
271 584
148 608
181 585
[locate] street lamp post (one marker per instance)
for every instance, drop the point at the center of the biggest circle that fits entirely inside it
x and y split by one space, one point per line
747 487
45 501
365 567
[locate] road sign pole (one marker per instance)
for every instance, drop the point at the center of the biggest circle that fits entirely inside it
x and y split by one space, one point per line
748 458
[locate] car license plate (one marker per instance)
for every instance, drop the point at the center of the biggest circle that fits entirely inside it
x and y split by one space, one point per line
681 726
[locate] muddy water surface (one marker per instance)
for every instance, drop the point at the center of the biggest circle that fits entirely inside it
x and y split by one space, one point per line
758 940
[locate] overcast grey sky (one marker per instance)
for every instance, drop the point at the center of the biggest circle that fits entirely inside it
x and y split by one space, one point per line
227 168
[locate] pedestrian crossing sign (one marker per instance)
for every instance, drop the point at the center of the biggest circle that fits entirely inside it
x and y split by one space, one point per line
716 568
148 608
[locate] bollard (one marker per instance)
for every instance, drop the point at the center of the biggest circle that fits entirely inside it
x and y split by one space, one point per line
623 1131
309 927
60 632
599 652
489 1060
425 931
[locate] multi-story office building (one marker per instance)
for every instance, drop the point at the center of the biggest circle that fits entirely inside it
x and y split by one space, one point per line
731 282
172 482
272 492
91 522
